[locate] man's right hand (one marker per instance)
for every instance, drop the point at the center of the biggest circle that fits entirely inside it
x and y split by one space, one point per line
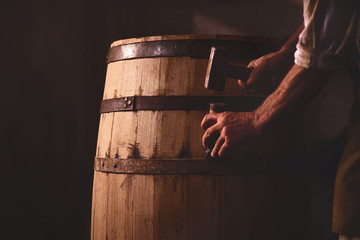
268 71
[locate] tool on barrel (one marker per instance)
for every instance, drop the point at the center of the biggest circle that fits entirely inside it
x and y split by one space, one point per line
218 71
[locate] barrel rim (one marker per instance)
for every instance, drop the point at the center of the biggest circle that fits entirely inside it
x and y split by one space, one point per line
193 48
151 38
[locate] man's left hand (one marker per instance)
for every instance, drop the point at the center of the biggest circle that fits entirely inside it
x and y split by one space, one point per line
227 131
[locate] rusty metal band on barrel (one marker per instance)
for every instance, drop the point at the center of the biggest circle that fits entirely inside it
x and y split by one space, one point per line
188 166
160 166
187 103
194 48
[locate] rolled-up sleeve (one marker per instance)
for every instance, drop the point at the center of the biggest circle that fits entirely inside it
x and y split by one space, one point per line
328 39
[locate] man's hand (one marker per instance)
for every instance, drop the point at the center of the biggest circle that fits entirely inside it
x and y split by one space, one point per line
268 71
227 131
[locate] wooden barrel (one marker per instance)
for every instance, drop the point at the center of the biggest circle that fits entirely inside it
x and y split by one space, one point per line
151 180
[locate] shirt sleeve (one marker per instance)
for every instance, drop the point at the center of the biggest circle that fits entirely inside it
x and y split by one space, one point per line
328 39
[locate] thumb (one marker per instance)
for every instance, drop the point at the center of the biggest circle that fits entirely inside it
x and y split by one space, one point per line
253 63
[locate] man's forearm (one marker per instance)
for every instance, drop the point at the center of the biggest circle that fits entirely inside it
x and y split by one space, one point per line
297 89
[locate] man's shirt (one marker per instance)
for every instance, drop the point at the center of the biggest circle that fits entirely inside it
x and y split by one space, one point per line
328 41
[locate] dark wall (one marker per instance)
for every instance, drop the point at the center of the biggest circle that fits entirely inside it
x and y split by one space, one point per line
53 71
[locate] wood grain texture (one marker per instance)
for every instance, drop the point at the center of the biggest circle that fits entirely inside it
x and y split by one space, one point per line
150 134
129 216
171 204
235 208
126 126
104 135
248 206
161 76
204 212
116 215
99 206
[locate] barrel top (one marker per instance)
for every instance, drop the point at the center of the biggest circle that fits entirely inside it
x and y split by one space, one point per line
195 36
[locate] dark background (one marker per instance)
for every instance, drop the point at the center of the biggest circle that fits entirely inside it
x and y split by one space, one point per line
52 74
